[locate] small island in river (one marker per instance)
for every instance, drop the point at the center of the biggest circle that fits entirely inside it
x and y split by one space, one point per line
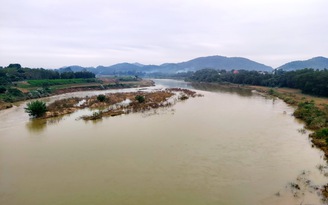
113 104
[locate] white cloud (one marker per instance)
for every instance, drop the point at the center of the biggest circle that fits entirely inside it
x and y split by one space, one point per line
53 33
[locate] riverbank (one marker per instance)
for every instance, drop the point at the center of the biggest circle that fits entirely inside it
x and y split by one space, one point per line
288 95
292 96
103 84
312 110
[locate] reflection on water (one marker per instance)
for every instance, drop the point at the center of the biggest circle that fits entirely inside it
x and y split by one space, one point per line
223 89
38 125
223 148
203 86
172 83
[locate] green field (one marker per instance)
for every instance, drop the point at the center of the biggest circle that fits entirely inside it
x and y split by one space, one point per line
52 82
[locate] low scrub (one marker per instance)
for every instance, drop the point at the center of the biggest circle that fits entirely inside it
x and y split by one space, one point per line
311 115
140 98
321 134
36 108
101 98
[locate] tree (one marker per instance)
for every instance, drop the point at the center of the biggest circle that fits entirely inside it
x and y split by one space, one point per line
15 92
36 108
140 98
206 75
3 89
101 98
67 75
84 74
14 65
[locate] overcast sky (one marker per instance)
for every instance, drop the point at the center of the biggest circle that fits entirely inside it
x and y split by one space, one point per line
56 33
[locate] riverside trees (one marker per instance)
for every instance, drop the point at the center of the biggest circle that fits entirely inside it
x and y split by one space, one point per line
310 81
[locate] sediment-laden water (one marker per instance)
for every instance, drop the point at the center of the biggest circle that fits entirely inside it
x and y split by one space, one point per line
228 147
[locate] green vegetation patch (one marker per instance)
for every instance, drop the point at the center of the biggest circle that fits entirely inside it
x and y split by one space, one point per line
36 108
310 81
12 95
45 83
3 89
101 98
312 115
322 133
140 98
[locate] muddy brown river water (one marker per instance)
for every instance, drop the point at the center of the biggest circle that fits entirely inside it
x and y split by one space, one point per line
228 147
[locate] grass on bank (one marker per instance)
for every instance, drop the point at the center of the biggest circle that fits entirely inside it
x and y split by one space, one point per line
32 89
52 82
310 109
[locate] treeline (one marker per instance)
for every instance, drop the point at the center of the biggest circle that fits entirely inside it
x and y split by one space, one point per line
310 81
15 72
160 75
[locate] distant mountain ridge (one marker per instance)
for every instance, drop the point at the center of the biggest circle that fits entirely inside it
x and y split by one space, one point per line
315 63
215 62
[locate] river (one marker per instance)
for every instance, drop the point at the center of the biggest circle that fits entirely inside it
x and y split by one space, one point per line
229 147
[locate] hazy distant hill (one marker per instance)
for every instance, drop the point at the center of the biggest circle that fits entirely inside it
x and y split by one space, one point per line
117 68
216 62
315 63
75 68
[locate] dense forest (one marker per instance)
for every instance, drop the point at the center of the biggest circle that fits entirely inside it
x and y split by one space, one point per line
14 79
310 81
15 72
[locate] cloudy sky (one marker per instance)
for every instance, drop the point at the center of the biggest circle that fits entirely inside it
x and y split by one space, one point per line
56 33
